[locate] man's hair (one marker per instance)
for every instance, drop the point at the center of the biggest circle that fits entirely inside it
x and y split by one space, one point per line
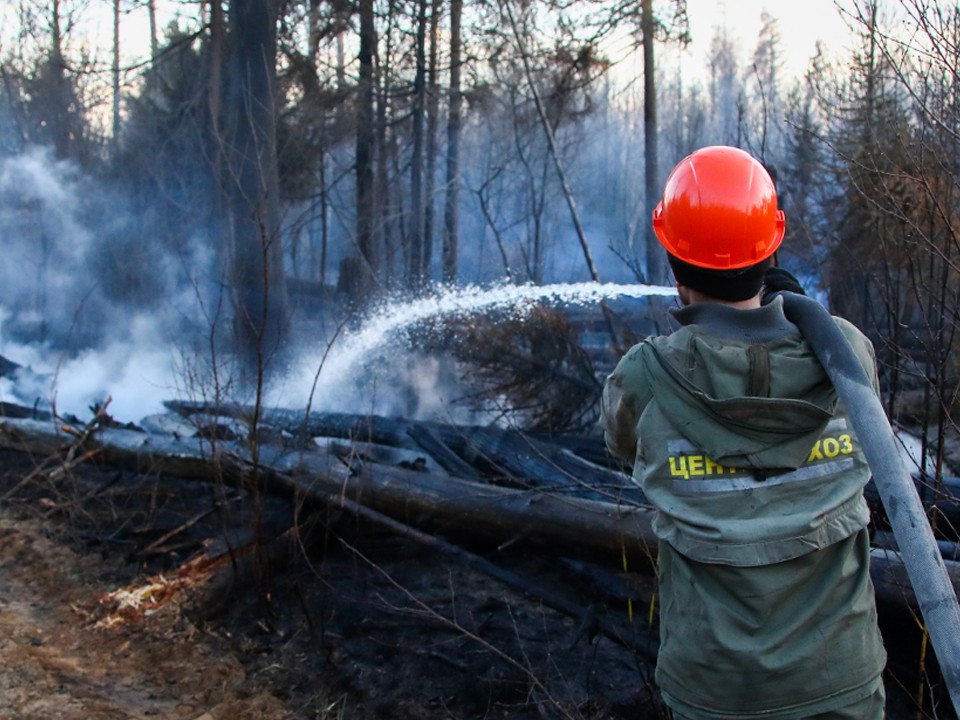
728 285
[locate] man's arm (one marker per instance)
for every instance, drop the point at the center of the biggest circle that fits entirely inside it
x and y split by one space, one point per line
625 394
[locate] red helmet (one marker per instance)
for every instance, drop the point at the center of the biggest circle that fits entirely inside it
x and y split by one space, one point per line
719 210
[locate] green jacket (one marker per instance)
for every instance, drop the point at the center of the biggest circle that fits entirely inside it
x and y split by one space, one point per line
736 437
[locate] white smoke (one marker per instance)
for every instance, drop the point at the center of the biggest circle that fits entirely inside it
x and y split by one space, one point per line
98 309
43 238
64 315
134 373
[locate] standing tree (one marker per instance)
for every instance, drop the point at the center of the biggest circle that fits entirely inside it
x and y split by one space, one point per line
251 182
656 259
725 89
765 104
433 119
652 29
358 271
115 71
52 109
416 270
567 82
801 188
451 214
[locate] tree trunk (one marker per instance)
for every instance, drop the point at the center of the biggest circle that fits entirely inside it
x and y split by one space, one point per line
252 184
215 61
364 266
214 140
451 215
115 70
656 259
152 18
415 269
59 119
313 32
433 112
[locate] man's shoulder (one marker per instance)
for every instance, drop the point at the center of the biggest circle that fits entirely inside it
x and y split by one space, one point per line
848 327
860 342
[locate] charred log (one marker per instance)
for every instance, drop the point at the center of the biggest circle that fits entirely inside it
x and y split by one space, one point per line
505 457
605 533
7 367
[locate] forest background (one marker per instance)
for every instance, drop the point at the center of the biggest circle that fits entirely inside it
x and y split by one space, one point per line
273 167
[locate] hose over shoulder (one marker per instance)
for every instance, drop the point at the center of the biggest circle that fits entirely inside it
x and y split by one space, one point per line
911 528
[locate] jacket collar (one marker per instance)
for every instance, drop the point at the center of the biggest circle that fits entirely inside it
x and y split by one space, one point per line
759 325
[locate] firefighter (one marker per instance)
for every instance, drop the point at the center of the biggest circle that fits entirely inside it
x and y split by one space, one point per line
737 438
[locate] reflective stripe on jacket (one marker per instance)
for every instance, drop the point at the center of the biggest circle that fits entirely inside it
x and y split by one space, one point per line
738 477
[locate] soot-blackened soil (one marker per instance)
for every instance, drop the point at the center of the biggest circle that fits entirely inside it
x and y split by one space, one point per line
349 621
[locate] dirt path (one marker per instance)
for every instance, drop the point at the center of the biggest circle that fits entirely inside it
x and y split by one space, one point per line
55 662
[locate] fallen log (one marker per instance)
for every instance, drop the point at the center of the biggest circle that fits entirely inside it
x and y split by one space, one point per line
562 524
602 532
502 455
429 440
8 368
580 467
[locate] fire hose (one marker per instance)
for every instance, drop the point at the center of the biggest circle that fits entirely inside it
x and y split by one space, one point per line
908 520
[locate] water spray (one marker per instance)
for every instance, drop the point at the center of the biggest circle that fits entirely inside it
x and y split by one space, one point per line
393 319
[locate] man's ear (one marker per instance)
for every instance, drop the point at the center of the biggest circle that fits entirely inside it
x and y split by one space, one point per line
683 292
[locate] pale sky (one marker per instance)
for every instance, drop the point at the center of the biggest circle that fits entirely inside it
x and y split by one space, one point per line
801 22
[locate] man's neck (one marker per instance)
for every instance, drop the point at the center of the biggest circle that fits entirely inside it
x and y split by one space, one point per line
689 296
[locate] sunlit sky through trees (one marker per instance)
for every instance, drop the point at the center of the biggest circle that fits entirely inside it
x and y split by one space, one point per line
158 208
801 25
